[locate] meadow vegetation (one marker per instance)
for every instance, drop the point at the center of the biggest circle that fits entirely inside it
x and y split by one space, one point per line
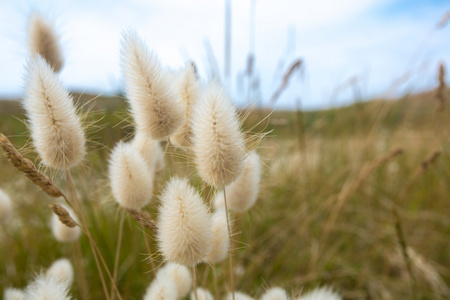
355 198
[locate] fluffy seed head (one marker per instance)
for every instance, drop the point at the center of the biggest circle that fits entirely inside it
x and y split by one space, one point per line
161 289
184 224
47 288
322 293
55 128
13 294
149 91
178 274
188 91
5 206
217 142
202 294
64 233
42 40
275 293
238 296
242 193
150 150
221 241
62 270
131 180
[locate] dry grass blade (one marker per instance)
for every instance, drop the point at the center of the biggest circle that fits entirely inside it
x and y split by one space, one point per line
295 65
27 167
440 91
63 215
143 218
351 185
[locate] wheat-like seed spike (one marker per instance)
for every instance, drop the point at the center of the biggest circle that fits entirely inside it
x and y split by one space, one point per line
55 127
143 218
42 40
63 215
27 167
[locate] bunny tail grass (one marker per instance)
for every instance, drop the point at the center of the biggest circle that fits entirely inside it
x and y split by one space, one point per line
217 142
43 40
149 90
55 127
130 178
62 270
188 92
184 224
180 275
242 193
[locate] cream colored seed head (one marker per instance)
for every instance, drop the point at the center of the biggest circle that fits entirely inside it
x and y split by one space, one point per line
5 206
47 288
202 294
43 40
149 90
161 289
62 270
275 293
150 150
322 293
188 92
221 240
13 294
131 180
63 233
55 127
238 296
184 224
242 193
218 143
180 275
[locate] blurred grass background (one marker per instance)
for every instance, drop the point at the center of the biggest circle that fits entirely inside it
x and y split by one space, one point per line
323 216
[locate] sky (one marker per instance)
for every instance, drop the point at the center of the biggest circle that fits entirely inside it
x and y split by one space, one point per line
350 49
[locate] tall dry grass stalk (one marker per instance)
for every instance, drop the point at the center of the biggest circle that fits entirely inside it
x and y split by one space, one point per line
42 40
441 89
352 184
55 128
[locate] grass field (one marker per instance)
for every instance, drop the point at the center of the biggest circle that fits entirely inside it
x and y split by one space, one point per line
325 213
